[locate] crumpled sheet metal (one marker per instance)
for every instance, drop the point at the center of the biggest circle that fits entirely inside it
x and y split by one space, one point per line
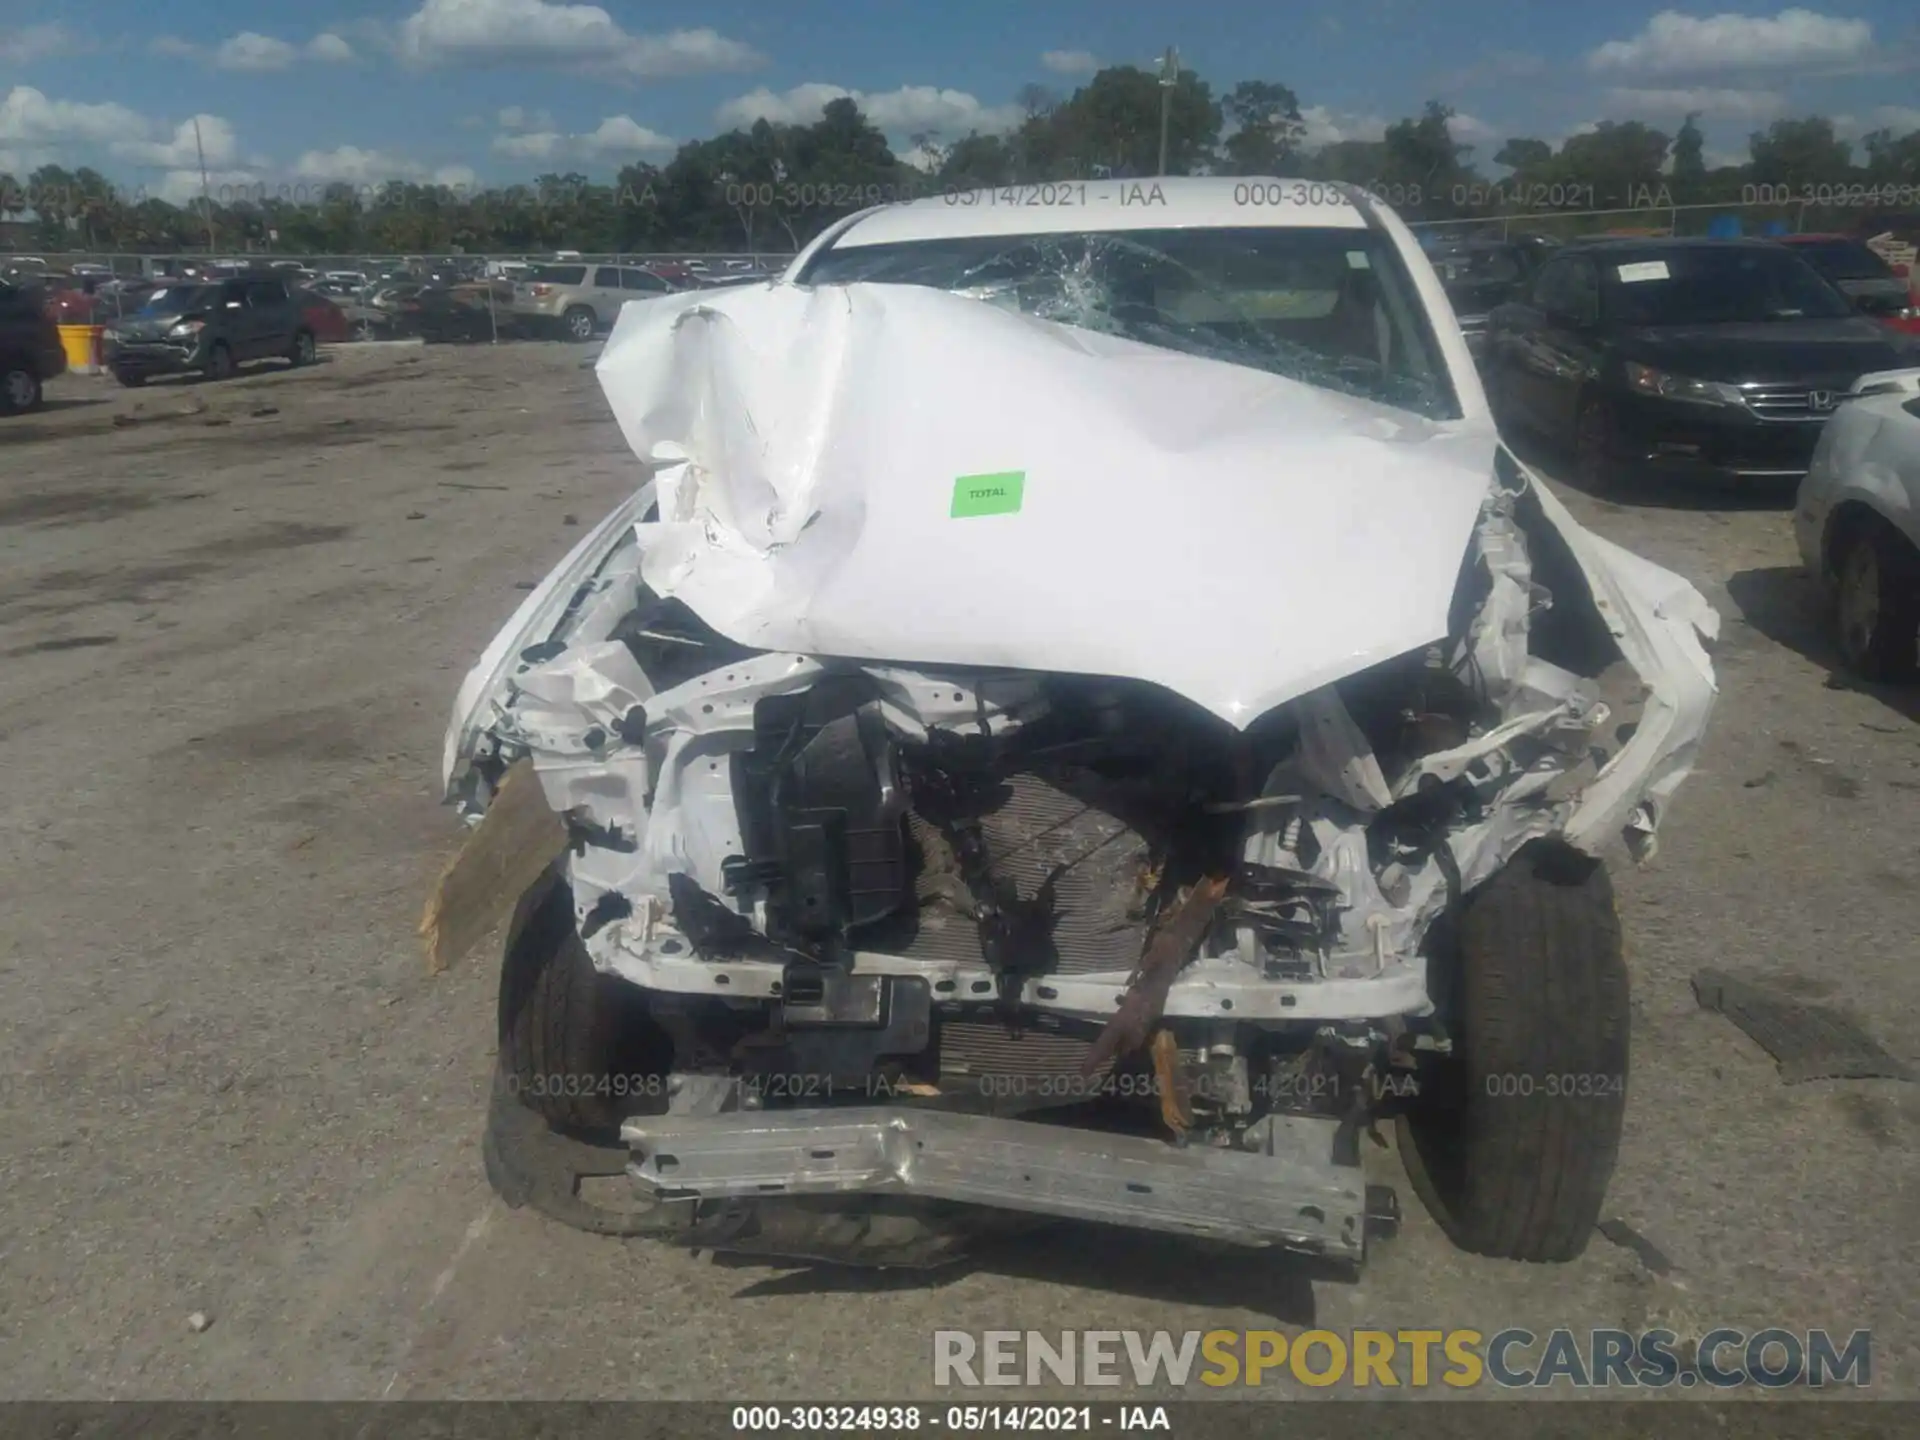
810 445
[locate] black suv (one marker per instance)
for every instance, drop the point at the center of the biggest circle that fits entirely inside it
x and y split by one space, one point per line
208 327
30 349
1717 357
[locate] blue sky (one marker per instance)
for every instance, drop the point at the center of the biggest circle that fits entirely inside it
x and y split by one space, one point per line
467 91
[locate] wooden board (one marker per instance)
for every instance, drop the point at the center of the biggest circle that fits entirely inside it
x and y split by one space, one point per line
512 847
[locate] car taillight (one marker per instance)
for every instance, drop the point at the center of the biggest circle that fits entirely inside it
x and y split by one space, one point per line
541 292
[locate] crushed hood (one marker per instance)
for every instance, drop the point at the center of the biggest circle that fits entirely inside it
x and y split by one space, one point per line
888 472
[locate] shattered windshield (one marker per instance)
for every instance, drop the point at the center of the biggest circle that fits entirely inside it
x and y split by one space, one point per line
1331 307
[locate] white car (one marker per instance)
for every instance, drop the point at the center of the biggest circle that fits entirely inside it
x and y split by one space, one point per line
1082 674
1857 521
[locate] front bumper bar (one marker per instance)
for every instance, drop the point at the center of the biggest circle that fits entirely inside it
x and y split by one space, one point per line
1293 1195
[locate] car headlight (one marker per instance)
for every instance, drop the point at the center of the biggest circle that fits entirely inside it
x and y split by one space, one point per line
1645 380
186 329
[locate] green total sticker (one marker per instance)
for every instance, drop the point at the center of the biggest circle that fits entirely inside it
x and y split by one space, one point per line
988 494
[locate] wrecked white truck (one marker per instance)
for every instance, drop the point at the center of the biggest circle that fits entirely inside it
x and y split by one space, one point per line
1084 720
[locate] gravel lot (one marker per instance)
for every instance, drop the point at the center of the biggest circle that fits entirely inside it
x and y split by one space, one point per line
232 619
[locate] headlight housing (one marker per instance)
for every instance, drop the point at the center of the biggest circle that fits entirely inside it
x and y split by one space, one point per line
186 329
1645 380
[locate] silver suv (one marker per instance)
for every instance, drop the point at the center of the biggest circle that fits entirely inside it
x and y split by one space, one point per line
581 299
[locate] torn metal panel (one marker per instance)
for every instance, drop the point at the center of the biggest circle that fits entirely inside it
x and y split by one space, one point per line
827 515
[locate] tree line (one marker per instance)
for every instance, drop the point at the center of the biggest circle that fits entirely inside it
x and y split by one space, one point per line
771 187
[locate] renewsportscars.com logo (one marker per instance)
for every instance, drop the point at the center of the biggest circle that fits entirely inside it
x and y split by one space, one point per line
1461 1359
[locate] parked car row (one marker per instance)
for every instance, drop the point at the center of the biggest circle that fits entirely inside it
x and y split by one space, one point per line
1682 357
1789 362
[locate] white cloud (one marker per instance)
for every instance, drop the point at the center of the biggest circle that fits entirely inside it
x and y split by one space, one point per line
182 187
30 121
1472 130
1718 104
1901 119
618 137
923 157
907 111
1070 62
1673 43
36 130
1326 127
505 32
350 165
38 42
184 148
250 50
517 117
329 49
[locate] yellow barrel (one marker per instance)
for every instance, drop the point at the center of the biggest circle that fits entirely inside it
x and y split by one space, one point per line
82 344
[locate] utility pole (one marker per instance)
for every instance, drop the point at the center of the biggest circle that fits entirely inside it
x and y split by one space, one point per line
1169 76
206 201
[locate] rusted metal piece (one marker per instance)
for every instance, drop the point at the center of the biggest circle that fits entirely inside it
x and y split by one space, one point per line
1171 1083
1169 949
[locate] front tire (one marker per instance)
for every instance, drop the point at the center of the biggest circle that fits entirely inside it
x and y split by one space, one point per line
304 351
577 1047
579 324
1877 604
1512 1142
132 379
20 390
219 362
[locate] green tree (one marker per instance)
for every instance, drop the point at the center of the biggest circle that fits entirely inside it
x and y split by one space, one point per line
1524 156
1355 162
977 162
1800 153
1421 157
1267 128
1111 127
52 193
1620 162
1892 161
1689 160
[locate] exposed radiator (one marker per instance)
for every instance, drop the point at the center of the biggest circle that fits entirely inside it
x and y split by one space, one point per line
984 1049
1035 827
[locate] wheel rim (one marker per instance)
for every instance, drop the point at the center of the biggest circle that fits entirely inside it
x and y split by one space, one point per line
1859 601
581 325
20 388
303 347
221 363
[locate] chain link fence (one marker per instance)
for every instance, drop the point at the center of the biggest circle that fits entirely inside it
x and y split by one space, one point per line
1790 217
135 265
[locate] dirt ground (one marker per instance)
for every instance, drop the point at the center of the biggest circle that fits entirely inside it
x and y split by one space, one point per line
232 620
